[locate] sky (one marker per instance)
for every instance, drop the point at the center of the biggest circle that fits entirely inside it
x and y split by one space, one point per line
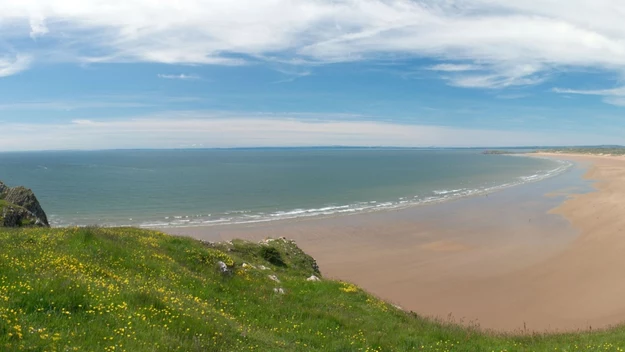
117 74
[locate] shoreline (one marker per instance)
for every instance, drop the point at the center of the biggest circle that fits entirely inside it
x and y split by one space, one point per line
591 268
367 207
420 258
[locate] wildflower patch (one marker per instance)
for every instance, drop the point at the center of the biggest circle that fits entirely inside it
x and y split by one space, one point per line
209 256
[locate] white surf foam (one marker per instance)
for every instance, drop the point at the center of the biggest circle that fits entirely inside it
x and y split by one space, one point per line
247 216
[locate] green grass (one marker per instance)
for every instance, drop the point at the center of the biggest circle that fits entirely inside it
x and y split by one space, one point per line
93 289
611 150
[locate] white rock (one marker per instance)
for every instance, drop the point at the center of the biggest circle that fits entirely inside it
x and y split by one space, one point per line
274 278
313 278
248 266
279 290
262 267
222 267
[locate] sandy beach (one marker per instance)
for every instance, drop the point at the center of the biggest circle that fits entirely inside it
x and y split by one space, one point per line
532 258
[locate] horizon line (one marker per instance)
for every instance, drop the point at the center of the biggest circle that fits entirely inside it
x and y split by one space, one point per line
317 147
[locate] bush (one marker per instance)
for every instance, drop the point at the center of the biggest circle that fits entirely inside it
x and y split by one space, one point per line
272 255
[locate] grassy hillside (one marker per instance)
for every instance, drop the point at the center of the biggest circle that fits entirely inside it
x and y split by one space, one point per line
135 290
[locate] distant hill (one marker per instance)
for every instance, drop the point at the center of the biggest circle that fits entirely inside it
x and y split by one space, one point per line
606 150
496 152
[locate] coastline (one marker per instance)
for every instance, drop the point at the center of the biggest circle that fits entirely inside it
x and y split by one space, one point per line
438 196
587 276
496 249
496 259
328 184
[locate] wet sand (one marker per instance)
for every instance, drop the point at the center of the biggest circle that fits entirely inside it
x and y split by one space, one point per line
542 256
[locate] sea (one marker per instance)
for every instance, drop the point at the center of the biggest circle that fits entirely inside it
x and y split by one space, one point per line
201 187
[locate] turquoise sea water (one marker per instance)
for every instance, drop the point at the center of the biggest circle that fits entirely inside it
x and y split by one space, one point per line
201 187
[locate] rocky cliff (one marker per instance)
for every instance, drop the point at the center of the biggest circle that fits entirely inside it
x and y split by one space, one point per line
19 207
3 190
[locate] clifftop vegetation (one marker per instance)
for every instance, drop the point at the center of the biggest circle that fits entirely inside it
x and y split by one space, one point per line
125 289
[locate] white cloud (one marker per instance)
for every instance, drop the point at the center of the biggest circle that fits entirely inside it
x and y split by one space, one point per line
618 101
613 96
181 76
496 35
492 81
38 26
11 65
245 131
620 91
499 77
291 74
454 67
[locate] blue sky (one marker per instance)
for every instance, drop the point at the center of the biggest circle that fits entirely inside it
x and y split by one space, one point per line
217 73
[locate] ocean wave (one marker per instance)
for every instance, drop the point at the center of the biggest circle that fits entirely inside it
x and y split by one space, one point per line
247 216
436 196
444 191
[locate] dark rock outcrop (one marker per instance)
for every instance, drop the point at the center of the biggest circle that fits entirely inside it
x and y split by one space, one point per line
19 207
14 216
26 199
3 190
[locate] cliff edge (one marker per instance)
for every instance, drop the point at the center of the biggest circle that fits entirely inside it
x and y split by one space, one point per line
19 207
